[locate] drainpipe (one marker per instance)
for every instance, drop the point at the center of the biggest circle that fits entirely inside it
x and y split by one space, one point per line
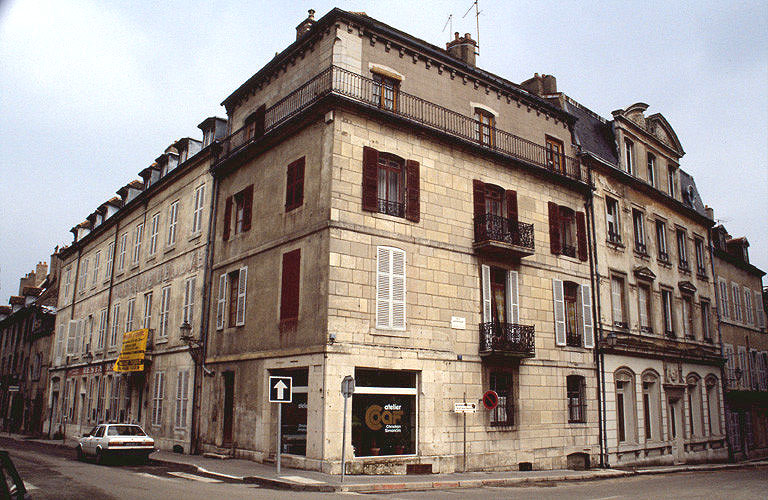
594 276
723 379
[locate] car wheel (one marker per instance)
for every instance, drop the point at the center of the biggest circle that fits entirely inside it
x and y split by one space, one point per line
80 455
99 457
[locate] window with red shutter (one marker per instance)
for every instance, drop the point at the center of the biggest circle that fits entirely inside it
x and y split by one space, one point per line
294 190
412 204
554 228
581 235
391 185
247 207
227 218
370 179
289 294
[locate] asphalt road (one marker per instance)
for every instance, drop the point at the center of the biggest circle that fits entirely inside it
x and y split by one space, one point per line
54 473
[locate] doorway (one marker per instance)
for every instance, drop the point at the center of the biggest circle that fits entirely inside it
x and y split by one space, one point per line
229 404
676 428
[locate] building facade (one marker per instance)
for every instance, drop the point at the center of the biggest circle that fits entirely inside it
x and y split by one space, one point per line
136 263
745 344
388 211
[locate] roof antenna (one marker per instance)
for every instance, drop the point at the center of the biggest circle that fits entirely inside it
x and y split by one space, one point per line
448 22
477 18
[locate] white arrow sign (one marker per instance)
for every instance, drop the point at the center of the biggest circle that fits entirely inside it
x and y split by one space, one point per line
280 389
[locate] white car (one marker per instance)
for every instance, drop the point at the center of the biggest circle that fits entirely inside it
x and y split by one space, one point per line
115 440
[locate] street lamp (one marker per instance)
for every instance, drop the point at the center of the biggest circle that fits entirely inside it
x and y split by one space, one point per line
611 339
195 346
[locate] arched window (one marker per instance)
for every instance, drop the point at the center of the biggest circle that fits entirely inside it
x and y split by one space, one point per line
626 424
695 407
713 405
651 406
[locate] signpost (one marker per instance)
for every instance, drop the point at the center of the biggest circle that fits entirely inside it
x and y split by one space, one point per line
490 400
280 392
13 388
347 389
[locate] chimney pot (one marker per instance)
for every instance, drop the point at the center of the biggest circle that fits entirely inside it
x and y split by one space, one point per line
467 36
462 48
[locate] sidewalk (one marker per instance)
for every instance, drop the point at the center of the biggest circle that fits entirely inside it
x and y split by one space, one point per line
303 480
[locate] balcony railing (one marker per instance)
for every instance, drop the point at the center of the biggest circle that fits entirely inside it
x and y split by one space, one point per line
614 237
568 250
683 265
572 339
340 82
391 207
641 248
664 257
507 339
496 228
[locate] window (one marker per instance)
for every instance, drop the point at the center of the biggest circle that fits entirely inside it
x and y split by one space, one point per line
96 264
698 244
682 250
736 296
165 308
147 322
504 414
651 170
390 185
706 330
485 123
629 156
651 407
157 399
189 300
290 289
129 314
110 259
747 306
102 328
671 181
625 406
500 296
390 288
730 365
84 276
759 312
138 237
121 254
695 406
242 203
567 232
237 282
67 282
385 92
688 330
495 215
666 303
197 213
639 227
154 230
724 308
573 314
661 240
173 217
294 188
713 405
555 154
115 325
744 365
577 402
612 216
182 399
644 309
618 302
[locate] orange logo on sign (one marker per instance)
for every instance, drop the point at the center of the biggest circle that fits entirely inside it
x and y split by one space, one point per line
376 416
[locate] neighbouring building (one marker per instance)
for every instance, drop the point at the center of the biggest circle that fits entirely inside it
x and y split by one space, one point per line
745 344
26 335
389 211
659 349
137 262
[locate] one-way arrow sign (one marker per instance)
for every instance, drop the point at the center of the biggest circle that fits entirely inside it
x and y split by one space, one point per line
280 389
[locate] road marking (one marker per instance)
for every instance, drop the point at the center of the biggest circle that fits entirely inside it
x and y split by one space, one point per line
193 477
303 480
30 486
147 474
206 471
608 498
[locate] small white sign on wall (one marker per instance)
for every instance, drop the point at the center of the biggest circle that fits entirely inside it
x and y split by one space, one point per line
458 323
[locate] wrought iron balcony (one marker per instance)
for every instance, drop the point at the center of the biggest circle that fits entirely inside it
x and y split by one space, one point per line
683 265
568 250
351 86
614 237
507 339
572 339
641 248
502 237
670 334
664 257
391 207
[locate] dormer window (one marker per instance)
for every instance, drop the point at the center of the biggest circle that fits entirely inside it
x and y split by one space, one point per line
651 170
385 90
629 156
484 125
671 181
555 152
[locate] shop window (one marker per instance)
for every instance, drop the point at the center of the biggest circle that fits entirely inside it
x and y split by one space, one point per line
390 185
577 402
504 413
384 413
573 314
294 415
385 92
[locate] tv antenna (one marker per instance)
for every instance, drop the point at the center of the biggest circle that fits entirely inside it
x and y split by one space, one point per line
477 20
447 23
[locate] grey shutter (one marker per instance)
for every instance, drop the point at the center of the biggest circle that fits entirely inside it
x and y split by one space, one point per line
383 286
242 288
221 303
486 285
513 298
559 307
586 311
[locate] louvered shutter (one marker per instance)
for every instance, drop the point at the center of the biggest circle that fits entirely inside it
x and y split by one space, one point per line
227 218
289 298
247 207
486 288
554 228
586 312
559 308
759 313
71 335
383 287
179 388
581 235
398 289
643 299
413 200
242 288
512 208
513 298
221 303
616 299
370 179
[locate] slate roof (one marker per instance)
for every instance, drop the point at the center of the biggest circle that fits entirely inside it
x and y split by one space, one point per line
690 194
593 133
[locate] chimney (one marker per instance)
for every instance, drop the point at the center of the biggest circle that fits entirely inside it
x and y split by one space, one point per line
541 84
306 24
41 272
462 48
710 212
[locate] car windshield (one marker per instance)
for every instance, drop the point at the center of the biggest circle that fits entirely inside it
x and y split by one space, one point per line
125 430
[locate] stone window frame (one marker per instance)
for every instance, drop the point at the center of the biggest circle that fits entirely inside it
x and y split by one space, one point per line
651 402
626 417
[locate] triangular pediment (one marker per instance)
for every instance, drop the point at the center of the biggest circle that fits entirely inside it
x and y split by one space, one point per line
687 287
660 128
644 273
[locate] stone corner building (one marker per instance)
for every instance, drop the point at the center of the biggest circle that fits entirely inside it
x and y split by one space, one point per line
387 210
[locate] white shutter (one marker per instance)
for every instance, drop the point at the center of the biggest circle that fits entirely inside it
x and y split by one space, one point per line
586 312
559 306
179 388
616 299
242 287
383 288
398 288
221 304
760 314
513 298
643 300
486 284
71 337
60 345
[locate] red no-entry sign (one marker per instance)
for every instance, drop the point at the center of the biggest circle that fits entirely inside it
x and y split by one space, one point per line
490 400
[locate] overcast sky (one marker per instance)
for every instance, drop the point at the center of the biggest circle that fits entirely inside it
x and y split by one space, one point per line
92 91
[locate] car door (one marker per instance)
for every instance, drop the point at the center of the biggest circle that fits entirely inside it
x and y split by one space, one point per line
87 441
94 439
